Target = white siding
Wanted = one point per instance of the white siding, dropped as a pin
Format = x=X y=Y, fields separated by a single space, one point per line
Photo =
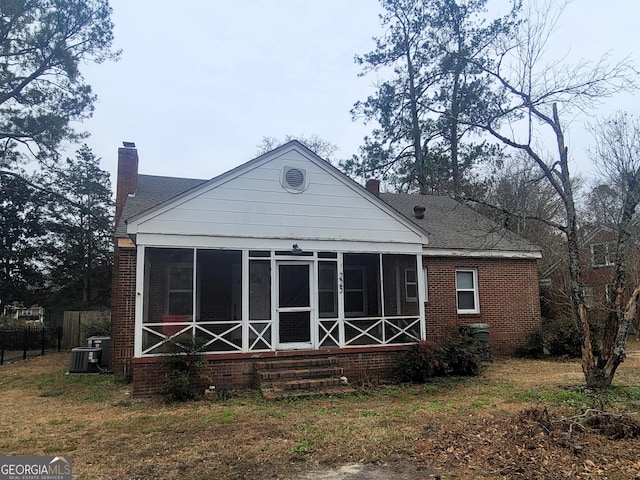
x=254 y=204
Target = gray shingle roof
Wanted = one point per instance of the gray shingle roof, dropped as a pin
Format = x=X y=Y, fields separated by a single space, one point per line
x=447 y=223
x=151 y=191
x=452 y=225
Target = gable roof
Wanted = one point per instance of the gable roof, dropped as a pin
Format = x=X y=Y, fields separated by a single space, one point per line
x=258 y=177
x=450 y=225
x=151 y=191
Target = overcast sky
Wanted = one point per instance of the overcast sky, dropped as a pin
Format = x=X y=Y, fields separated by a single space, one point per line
x=201 y=82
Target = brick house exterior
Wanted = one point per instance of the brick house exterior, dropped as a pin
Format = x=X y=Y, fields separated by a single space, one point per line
x=285 y=257
x=596 y=255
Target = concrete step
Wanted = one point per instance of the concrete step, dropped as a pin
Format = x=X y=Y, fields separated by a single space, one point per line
x=295 y=363
x=316 y=372
x=300 y=377
x=305 y=383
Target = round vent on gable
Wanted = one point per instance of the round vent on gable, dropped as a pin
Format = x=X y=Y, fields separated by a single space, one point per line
x=294 y=179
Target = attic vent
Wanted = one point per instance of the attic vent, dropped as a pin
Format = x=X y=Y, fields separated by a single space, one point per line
x=294 y=179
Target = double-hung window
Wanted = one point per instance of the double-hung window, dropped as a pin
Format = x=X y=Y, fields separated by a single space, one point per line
x=467 y=291
x=355 y=292
x=411 y=285
x=602 y=254
x=180 y=290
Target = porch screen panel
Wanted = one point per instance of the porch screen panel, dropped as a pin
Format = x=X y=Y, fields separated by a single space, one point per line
x=260 y=322
x=219 y=300
x=168 y=299
x=259 y=290
x=400 y=285
x=361 y=285
x=168 y=295
x=328 y=289
x=219 y=285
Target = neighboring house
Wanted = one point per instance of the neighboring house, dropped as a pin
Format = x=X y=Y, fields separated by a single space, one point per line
x=285 y=256
x=597 y=250
x=18 y=311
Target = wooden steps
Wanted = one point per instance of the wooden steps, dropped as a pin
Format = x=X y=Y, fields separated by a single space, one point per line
x=301 y=377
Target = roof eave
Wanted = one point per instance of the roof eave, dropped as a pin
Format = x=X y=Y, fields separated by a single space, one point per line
x=464 y=253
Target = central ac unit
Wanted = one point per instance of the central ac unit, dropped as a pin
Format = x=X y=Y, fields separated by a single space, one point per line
x=85 y=360
x=104 y=343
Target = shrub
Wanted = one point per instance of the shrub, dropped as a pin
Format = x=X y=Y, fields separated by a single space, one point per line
x=184 y=367
x=459 y=356
x=462 y=356
x=419 y=363
x=556 y=337
x=98 y=328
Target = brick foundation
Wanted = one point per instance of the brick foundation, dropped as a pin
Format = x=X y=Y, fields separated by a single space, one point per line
x=232 y=372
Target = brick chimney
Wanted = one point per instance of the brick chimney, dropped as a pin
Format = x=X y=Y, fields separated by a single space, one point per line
x=373 y=186
x=127 y=179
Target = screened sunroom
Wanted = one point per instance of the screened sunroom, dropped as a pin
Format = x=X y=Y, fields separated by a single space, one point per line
x=243 y=301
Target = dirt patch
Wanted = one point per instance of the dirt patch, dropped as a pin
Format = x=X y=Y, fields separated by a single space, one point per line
x=401 y=471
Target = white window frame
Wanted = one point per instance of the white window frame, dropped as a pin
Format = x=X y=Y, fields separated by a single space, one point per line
x=476 y=301
x=608 y=253
x=426 y=284
x=170 y=290
x=362 y=289
x=407 y=283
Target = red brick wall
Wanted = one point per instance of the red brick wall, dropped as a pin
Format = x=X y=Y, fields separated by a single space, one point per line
x=508 y=301
x=123 y=306
x=127 y=179
x=508 y=293
x=367 y=365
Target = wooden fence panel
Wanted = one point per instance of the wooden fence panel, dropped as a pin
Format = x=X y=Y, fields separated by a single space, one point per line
x=78 y=325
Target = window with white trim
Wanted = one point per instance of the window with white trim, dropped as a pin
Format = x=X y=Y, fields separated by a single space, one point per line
x=355 y=292
x=411 y=285
x=602 y=254
x=180 y=289
x=467 y=291
x=426 y=284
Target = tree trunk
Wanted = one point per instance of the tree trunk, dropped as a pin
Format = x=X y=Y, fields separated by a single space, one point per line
x=416 y=132
x=601 y=376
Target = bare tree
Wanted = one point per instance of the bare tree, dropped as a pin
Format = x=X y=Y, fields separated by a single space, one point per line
x=321 y=147
x=617 y=155
x=536 y=97
x=517 y=197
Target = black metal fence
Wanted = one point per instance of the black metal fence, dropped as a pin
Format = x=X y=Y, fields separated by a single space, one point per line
x=23 y=342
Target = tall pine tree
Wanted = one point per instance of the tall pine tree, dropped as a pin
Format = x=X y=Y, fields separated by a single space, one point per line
x=81 y=230
x=419 y=143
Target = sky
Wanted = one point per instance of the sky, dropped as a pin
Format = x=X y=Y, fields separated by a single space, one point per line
x=201 y=82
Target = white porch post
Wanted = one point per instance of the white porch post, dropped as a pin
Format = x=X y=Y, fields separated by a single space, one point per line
x=139 y=300
x=245 y=300
x=421 y=296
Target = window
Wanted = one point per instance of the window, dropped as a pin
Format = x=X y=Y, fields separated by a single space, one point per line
x=426 y=284
x=587 y=295
x=610 y=293
x=180 y=290
x=355 y=293
x=602 y=254
x=467 y=291
x=411 y=285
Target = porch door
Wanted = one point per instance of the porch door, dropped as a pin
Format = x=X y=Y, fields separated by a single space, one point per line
x=294 y=305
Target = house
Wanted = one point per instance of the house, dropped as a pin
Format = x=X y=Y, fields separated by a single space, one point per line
x=597 y=250
x=286 y=257
x=22 y=313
